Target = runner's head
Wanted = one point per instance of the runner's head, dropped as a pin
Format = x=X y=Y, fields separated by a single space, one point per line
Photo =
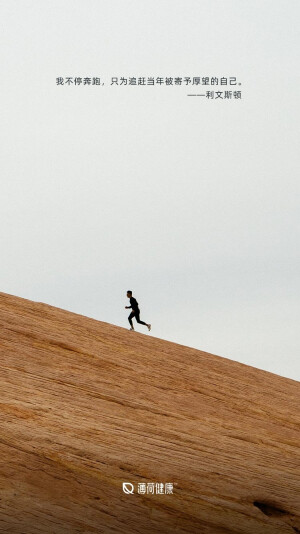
x=129 y=294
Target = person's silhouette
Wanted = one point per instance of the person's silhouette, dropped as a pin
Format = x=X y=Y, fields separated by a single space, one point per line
x=135 y=312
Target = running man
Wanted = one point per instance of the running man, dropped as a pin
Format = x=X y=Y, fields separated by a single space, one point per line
x=135 y=312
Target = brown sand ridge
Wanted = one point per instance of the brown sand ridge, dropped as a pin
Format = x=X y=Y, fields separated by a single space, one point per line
x=86 y=406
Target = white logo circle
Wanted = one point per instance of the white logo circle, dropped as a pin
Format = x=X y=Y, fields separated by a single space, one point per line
x=128 y=487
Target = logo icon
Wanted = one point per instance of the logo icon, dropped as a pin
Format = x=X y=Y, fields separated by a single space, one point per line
x=128 y=487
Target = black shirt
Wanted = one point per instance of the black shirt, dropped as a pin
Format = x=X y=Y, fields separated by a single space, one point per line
x=134 y=304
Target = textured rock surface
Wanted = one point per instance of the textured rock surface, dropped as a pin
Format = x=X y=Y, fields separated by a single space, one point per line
x=85 y=406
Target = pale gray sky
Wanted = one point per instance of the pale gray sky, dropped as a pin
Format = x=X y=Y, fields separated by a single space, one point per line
x=191 y=203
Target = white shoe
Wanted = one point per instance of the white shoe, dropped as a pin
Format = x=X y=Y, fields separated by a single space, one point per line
x=149 y=327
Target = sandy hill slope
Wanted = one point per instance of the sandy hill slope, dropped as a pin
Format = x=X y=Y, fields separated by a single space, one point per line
x=86 y=406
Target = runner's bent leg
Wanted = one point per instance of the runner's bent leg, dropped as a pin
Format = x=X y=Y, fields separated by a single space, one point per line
x=130 y=319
